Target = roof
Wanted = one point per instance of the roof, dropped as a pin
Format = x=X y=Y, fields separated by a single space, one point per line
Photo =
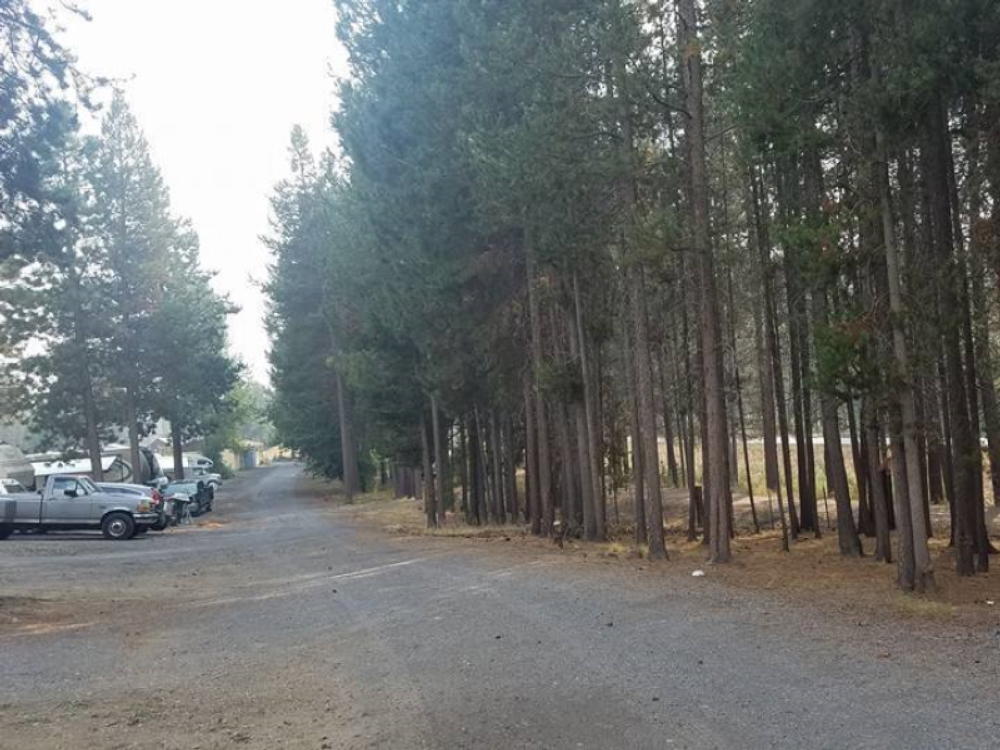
x=79 y=466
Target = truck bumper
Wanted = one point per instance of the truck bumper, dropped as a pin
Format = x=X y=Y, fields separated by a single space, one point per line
x=146 y=519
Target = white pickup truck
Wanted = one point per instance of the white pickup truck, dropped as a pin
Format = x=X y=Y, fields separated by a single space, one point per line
x=70 y=502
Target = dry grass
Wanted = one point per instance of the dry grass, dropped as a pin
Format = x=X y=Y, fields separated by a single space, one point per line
x=921 y=607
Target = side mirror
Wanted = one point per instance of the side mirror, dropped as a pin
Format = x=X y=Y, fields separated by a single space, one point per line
x=71 y=493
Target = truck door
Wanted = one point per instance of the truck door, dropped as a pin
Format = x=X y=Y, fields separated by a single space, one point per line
x=68 y=503
x=28 y=511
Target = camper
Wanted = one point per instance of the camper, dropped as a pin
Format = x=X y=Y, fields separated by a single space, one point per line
x=194 y=463
x=113 y=469
x=13 y=465
x=149 y=470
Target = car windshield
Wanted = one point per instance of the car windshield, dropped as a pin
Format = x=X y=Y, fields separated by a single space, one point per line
x=182 y=487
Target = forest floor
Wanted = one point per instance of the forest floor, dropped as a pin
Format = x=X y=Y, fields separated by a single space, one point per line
x=812 y=573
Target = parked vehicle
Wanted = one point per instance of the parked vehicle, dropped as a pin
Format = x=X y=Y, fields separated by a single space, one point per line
x=149 y=470
x=201 y=495
x=70 y=503
x=113 y=469
x=14 y=465
x=155 y=497
x=194 y=464
x=11 y=487
x=208 y=477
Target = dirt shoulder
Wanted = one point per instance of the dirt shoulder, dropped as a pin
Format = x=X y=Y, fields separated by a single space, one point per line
x=812 y=575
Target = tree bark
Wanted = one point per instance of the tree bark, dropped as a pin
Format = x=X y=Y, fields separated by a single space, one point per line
x=877 y=497
x=718 y=502
x=531 y=459
x=772 y=382
x=965 y=445
x=635 y=462
x=348 y=453
x=135 y=454
x=177 y=443
x=739 y=409
x=510 y=470
x=910 y=507
x=87 y=384
x=589 y=458
x=640 y=336
x=541 y=522
x=430 y=504
x=668 y=430
x=439 y=483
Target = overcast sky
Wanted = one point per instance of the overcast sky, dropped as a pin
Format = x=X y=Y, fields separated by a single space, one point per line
x=217 y=86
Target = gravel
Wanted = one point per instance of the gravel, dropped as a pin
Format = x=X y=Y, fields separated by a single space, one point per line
x=290 y=626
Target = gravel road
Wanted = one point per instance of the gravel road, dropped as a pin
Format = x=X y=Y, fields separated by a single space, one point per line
x=284 y=623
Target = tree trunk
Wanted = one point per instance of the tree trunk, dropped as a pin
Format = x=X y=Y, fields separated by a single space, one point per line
x=795 y=305
x=836 y=472
x=640 y=336
x=771 y=380
x=135 y=454
x=739 y=410
x=877 y=497
x=571 y=508
x=965 y=445
x=430 y=504
x=510 y=470
x=177 y=442
x=859 y=457
x=348 y=452
x=589 y=458
x=531 y=460
x=476 y=504
x=464 y=471
x=439 y=461
x=541 y=522
x=87 y=383
x=767 y=407
x=498 y=483
x=668 y=430
x=635 y=462
x=719 y=500
x=910 y=506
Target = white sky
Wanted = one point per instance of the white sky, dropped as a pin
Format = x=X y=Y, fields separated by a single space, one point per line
x=217 y=85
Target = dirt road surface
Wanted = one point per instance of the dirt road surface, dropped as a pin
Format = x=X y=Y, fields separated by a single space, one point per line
x=286 y=623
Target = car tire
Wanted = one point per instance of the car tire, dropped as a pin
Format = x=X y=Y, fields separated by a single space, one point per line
x=118 y=527
x=6 y=530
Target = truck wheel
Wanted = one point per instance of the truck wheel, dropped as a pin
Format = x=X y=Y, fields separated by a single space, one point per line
x=118 y=527
x=6 y=530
